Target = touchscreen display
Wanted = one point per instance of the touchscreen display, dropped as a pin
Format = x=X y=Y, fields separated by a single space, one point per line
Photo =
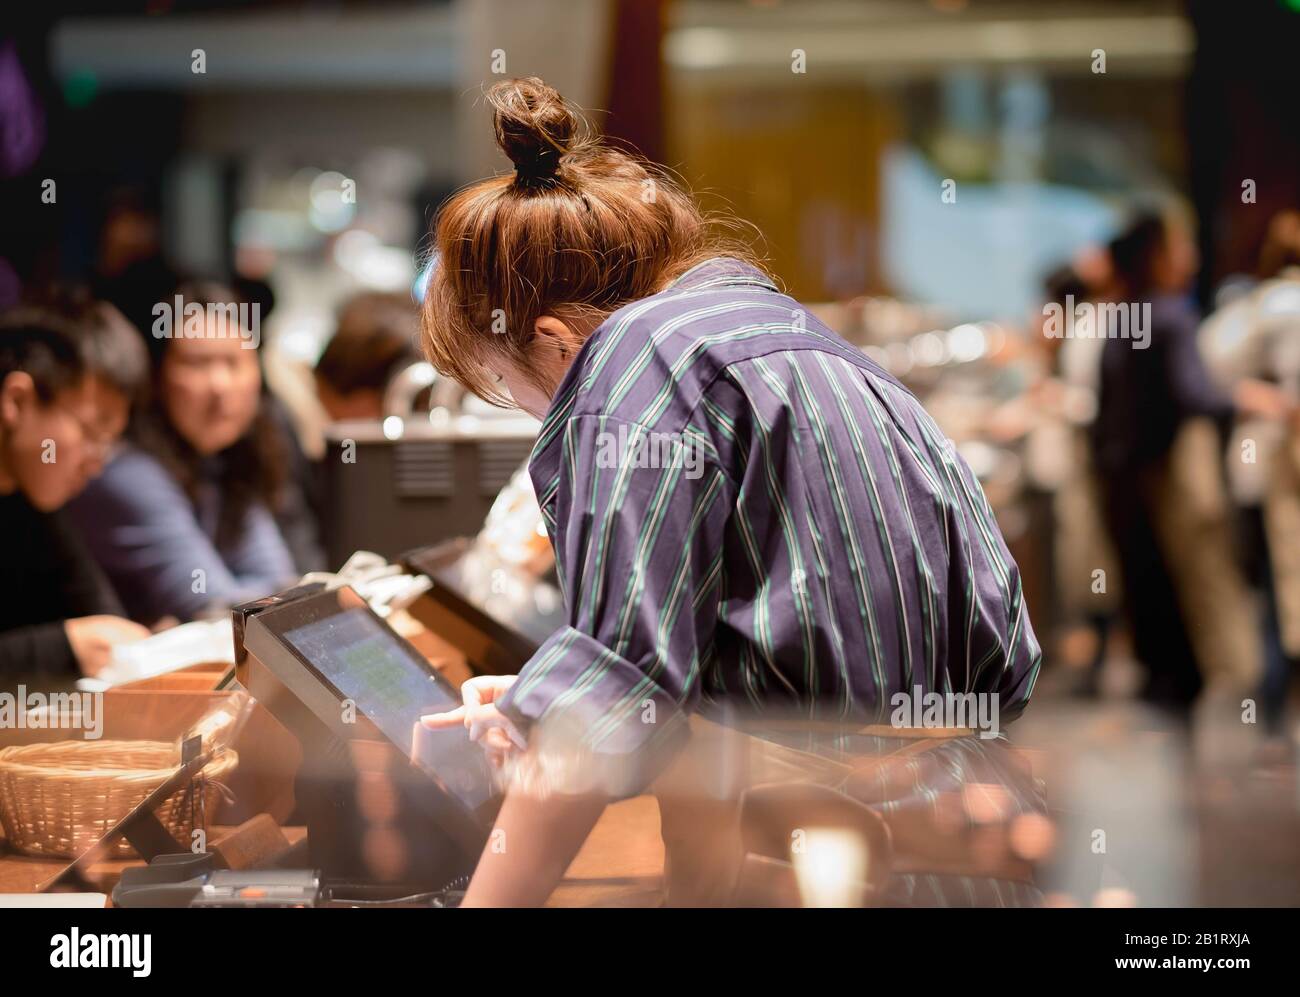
x=368 y=664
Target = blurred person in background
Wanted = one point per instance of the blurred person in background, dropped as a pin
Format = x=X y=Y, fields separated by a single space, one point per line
x=374 y=339
x=181 y=519
x=130 y=270
x=1257 y=337
x=1157 y=447
x=68 y=372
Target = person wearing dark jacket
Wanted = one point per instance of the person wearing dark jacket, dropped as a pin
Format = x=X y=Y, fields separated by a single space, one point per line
x=67 y=376
x=1159 y=418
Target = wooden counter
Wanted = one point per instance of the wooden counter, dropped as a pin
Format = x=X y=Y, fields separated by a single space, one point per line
x=620 y=865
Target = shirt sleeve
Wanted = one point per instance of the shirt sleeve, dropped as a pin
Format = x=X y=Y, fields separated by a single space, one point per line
x=84 y=590
x=142 y=528
x=261 y=561
x=42 y=649
x=638 y=522
x=1190 y=382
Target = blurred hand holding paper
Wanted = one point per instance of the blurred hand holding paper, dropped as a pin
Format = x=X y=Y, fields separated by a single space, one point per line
x=200 y=642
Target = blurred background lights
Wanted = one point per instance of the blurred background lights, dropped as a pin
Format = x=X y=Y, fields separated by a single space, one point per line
x=831 y=868
x=332 y=207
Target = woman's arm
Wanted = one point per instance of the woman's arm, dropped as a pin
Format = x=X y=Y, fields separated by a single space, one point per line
x=142 y=529
x=531 y=846
x=536 y=833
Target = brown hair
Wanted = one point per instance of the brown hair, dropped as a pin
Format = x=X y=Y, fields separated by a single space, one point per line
x=1281 y=247
x=579 y=230
x=375 y=338
x=61 y=333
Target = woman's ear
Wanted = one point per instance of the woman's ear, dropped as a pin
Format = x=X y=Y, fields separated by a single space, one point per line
x=557 y=338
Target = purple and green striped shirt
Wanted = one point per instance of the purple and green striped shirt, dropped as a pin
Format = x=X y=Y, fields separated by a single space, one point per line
x=747 y=510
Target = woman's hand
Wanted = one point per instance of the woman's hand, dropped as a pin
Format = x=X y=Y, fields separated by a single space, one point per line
x=487 y=725
x=92 y=639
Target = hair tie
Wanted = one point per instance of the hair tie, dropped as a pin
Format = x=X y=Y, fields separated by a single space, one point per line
x=541 y=170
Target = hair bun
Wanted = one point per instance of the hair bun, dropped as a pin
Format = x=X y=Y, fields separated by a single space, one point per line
x=534 y=126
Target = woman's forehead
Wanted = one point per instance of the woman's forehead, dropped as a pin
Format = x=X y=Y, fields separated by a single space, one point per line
x=220 y=338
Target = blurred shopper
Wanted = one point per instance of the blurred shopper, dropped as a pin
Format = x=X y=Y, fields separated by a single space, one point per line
x=374 y=340
x=1157 y=447
x=747 y=512
x=1257 y=337
x=67 y=377
x=130 y=269
x=181 y=518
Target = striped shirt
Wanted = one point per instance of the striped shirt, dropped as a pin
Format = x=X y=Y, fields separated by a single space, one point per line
x=746 y=510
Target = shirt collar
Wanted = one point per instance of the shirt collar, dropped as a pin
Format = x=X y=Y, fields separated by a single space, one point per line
x=722 y=271
x=544 y=463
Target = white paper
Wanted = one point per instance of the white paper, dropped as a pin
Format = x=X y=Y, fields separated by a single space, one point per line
x=189 y=644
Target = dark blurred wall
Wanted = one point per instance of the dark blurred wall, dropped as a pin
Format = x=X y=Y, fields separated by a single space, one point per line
x=1243 y=123
x=636 y=77
x=97 y=147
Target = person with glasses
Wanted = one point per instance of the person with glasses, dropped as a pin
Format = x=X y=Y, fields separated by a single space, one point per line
x=68 y=373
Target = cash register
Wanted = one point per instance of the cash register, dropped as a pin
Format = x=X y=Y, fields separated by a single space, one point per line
x=386 y=802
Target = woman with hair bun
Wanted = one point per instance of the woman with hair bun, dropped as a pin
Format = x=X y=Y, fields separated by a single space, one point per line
x=747 y=512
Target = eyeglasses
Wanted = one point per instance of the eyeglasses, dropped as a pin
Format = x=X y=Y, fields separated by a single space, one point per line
x=92 y=436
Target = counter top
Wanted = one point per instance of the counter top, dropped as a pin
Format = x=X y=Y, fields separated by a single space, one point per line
x=620 y=864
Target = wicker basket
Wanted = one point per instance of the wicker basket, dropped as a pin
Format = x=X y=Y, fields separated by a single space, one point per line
x=58 y=799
